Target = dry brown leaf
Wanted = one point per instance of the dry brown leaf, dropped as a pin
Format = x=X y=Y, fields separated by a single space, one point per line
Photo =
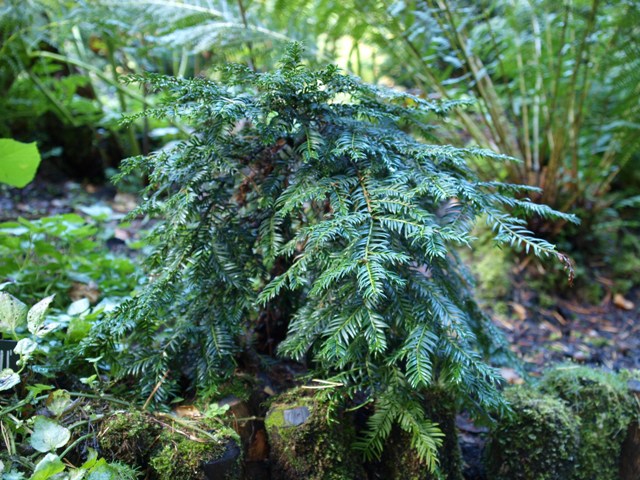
x=188 y=411
x=511 y=376
x=520 y=311
x=89 y=291
x=559 y=317
x=124 y=202
x=259 y=447
x=622 y=303
x=122 y=234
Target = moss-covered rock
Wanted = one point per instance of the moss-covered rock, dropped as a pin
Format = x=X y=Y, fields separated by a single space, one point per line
x=606 y=407
x=167 y=450
x=306 y=443
x=400 y=461
x=537 y=441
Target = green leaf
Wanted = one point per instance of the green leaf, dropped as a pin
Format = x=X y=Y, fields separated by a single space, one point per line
x=13 y=475
x=25 y=347
x=58 y=402
x=77 y=474
x=13 y=313
x=92 y=458
x=18 y=162
x=48 y=435
x=79 y=328
x=79 y=306
x=47 y=467
x=35 y=317
x=37 y=389
x=8 y=379
x=103 y=471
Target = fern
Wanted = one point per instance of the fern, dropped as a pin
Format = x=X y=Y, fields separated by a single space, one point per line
x=314 y=194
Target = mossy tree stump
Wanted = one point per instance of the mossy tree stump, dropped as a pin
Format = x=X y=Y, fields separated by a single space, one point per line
x=305 y=443
x=578 y=424
x=606 y=409
x=166 y=450
x=538 y=441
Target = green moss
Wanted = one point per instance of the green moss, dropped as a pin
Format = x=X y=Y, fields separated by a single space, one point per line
x=129 y=437
x=238 y=386
x=183 y=458
x=166 y=453
x=491 y=266
x=537 y=441
x=318 y=449
x=606 y=408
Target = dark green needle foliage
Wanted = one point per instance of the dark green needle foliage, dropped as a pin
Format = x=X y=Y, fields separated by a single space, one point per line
x=313 y=194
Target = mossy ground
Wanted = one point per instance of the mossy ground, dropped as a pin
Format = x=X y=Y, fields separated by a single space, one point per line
x=129 y=437
x=182 y=458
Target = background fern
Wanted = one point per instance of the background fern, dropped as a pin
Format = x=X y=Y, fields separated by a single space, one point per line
x=311 y=193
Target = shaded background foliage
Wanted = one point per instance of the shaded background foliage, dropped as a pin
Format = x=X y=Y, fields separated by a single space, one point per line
x=554 y=84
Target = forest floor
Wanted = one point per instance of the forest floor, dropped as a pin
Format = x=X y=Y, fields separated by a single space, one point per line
x=605 y=335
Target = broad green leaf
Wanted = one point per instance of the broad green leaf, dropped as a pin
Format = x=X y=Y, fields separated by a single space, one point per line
x=103 y=471
x=37 y=389
x=13 y=313
x=78 y=329
x=88 y=380
x=79 y=306
x=58 y=401
x=77 y=474
x=47 y=467
x=8 y=379
x=99 y=212
x=18 y=162
x=35 y=317
x=48 y=435
x=108 y=304
x=92 y=458
x=25 y=347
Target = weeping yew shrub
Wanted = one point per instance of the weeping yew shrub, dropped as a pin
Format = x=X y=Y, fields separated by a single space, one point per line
x=311 y=193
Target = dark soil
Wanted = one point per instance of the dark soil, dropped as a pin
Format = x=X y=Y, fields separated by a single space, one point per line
x=605 y=335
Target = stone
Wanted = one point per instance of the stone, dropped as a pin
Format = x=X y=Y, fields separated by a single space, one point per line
x=296 y=416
